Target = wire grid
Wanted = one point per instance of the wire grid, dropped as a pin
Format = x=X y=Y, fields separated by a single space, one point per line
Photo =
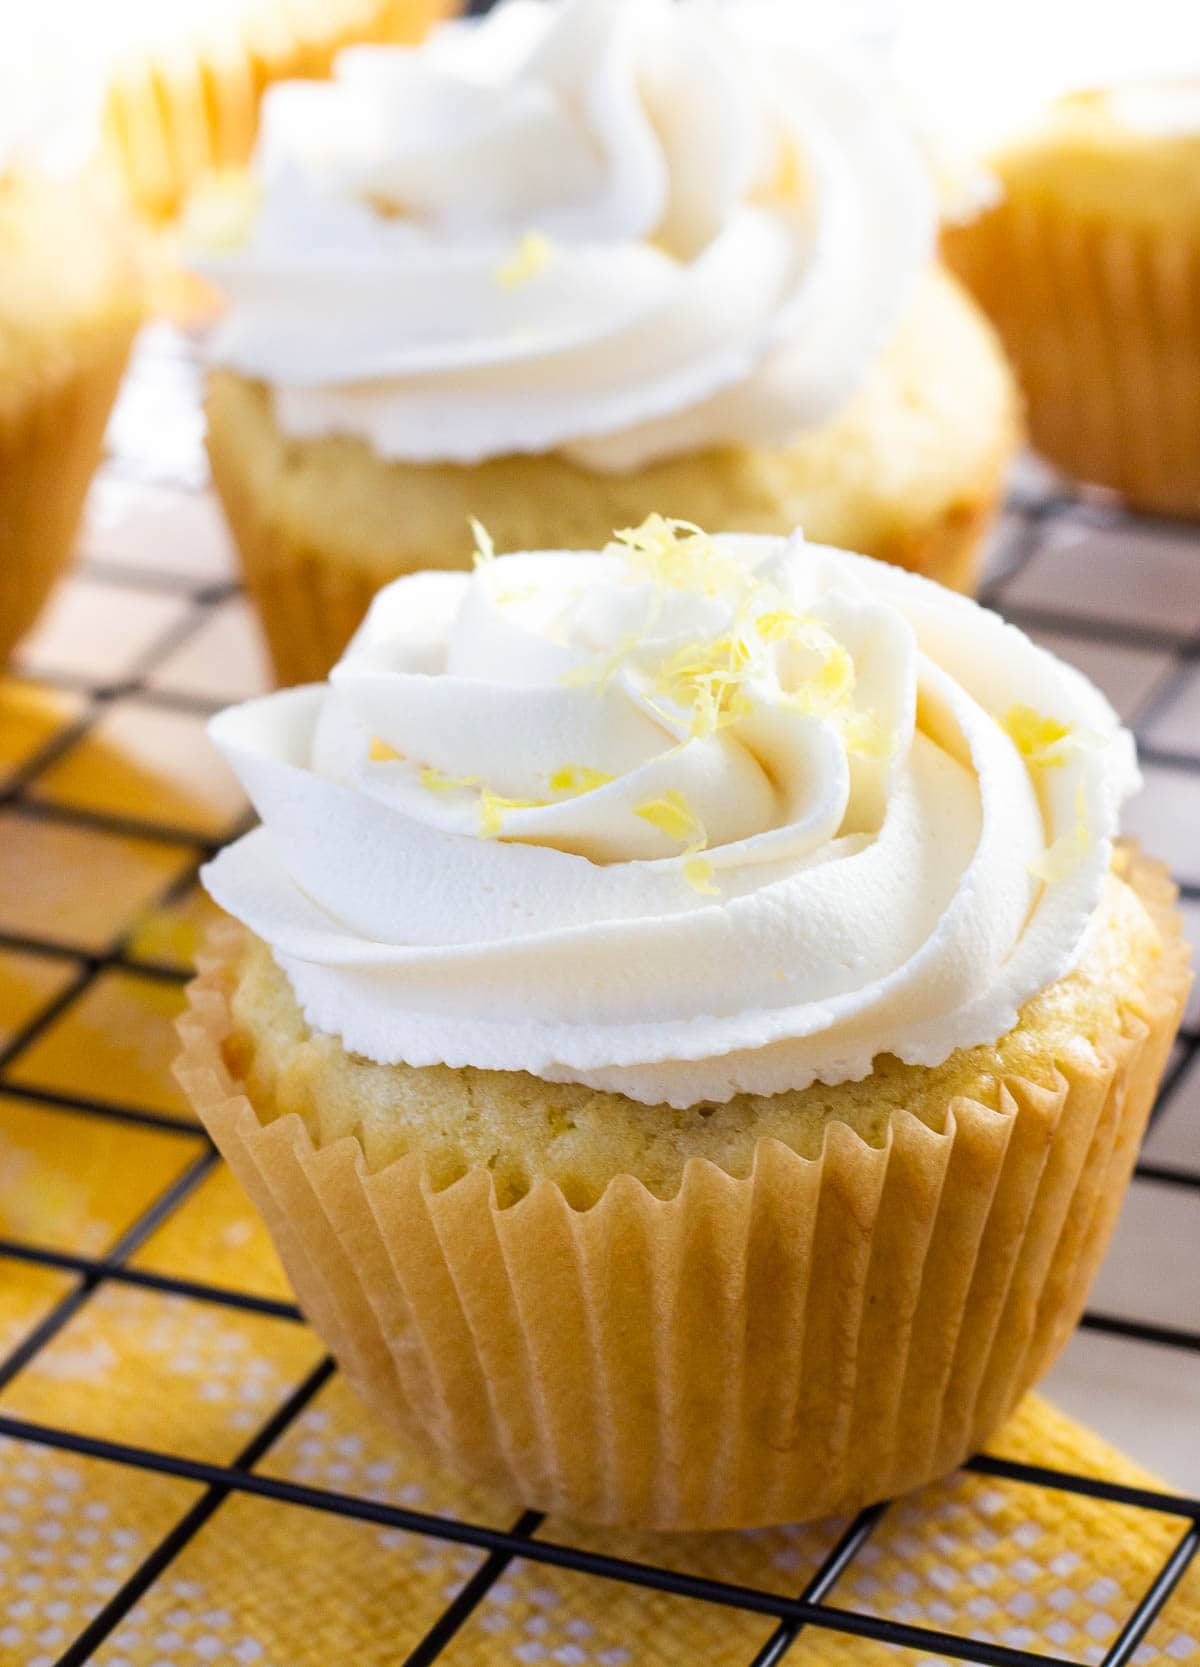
x=154 y=445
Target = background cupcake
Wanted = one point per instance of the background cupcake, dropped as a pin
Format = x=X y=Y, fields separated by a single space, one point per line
x=70 y=300
x=691 y=1032
x=1089 y=265
x=1069 y=136
x=183 y=95
x=651 y=261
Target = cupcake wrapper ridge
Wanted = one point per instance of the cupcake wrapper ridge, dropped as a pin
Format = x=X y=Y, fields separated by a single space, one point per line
x=1102 y=322
x=50 y=440
x=169 y=120
x=814 y=1336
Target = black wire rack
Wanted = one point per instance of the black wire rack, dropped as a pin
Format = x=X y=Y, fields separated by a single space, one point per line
x=154 y=442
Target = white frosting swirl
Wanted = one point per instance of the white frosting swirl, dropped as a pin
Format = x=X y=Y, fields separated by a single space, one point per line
x=617 y=228
x=681 y=820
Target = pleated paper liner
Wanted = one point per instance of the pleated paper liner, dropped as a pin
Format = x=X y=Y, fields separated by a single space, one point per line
x=821 y=1333
x=1102 y=322
x=50 y=437
x=170 y=118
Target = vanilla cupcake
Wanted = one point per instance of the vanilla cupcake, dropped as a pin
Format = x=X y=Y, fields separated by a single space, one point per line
x=689 y=1028
x=574 y=264
x=1088 y=262
x=71 y=294
x=184 y=87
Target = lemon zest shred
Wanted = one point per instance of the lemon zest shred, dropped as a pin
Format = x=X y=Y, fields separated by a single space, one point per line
x=528 y=260
x=673 y=815
x=865 y=737
x=485 y=550
x=437 y=782
x=777 y=623
x=710 y=678
x=1062 y=857
x=1039 y=739
x=698 y=872
x=828 y=688
x=577 y=778
x=379 y=752
x=677 y=555
x=493 y=807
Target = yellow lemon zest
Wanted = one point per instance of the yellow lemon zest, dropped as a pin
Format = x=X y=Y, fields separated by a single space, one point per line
x=492 y=810
x=485 y=550
x=1066 y=853
x=677 y=555
x=528 y=260
x=492 y=806
x=437 y=782
x=829 y=692
x=1061 y=858
x=777 y=623
x=831 y=686
x=673 y=816
x=1040 y=740
x=865 y=737
x=577 y=778
x=710 y=678
x=380 y=753
x=698 y=872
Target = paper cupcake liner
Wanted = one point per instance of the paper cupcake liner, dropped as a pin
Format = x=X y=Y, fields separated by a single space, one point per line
x=821 y=1333
x=1103 y=324
x=50 y=438
x=169 y=120
x=309 y=602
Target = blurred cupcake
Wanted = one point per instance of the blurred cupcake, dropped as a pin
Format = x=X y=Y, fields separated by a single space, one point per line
x=70 y=301
x=689 y=1030
x=1089 y=265
x=573 y=264
x=183 y=94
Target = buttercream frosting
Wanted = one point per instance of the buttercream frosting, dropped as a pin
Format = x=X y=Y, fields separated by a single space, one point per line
x=682 y=819
x=620 y=229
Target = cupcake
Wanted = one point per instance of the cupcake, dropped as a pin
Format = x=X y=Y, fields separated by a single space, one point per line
x=575 y=264
x=184 y=89
x=1088 y=263
x=70 y=301
x=685 y=1019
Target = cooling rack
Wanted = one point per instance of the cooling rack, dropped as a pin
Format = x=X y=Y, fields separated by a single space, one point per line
x=182 y=1475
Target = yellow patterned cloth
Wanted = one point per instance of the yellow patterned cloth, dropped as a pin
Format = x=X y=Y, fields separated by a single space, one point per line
x=275 y=1584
